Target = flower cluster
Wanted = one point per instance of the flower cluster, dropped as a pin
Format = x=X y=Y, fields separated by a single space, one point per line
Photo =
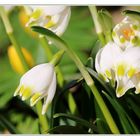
x=40 y=81
x=119 y=60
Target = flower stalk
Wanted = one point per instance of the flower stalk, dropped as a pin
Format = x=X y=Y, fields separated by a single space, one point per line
x=9 y=31
x=62 y=45
x=94 y=90
x=49 y=54
x=98 y=26
x=60 y=78
x=43 y=121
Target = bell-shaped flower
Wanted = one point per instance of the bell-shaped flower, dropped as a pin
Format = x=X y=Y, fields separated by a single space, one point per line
x=120 y=66
x=127 y=71
x=106 y=59
x=38 y=83
x=54 y=18
x=127 y=33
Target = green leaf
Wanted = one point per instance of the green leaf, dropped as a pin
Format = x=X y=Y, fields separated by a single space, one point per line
x=78 y=120
x=50 y=35
x=107 y=23
x=65 y=129
x=133 y=14
x=97 y=46
x=134 y=106
x=102 y=126
x=127 y=123
x=72 y=104
x=8 y=125
x=28 y=126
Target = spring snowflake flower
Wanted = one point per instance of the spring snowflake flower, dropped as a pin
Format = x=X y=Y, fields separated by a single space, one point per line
x=120 y=66
x=127 y=33
x=38 y=83
x=54 y=18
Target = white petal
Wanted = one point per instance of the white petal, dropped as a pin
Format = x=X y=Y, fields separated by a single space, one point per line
x=51 y=91
x=110 y=55
x=38 y=78
x=51 y=10
x=136 y=81
x=132 y=57
x=9 y=7
x=17 y=90
x=123 y=85
x=97 y=61
x=63 y=22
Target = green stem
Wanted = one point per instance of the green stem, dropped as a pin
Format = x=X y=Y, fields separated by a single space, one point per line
x=98 y=26
x=72 y=104
x=43 y=121
x=19 y=51
x=108 y=36
x=49 y=55
x=60 y=77
x=62 y=45
x=94 y=90
x=9 y=31
x=46 y=47
x=104 y=110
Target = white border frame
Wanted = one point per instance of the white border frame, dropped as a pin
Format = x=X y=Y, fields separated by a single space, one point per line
x=73 y=2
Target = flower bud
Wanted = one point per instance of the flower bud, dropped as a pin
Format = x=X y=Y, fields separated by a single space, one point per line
x=15 y=60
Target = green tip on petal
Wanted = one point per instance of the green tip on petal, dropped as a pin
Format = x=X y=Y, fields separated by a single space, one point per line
x=131 y=72
x=36 y=14
x=121 y=70
x=21 y=90
x=34 y=99
x=26 y=94
x=119 y=92
x=135 y=27
x=50 y=24
x=134 y=40
x=17 y=91
x=122 y=39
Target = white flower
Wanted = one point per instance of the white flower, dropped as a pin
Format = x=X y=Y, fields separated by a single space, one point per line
x=127 y=33
x=38 y=83
x=106 y=59
x=9 y=7
x=120 y=66
x=54 y=18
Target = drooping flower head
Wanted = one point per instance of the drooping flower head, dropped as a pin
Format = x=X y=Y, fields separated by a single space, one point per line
x=121 y=66
x=38 y=83
x=106 y=59
x=54 y=18
x=127 y=33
